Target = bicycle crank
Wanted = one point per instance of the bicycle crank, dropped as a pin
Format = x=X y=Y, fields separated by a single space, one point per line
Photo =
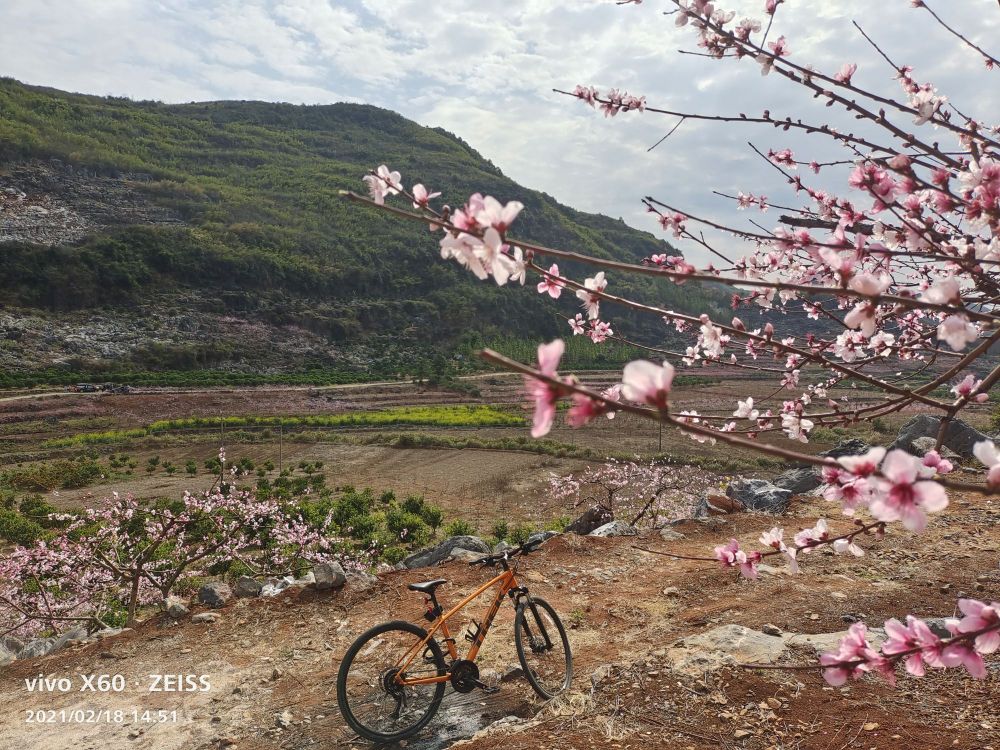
x=465 y=676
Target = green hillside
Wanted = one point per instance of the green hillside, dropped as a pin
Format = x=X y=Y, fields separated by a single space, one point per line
x=262 y=234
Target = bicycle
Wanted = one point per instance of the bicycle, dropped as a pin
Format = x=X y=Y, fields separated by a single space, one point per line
x=393 y=677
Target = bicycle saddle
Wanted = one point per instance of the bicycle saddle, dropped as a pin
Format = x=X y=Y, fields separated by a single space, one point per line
x=427 y=587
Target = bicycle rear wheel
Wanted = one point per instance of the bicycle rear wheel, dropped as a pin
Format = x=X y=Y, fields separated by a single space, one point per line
x=543 y=648
x=373 y=704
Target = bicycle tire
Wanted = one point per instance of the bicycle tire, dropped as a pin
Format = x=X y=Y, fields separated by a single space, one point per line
x=343 y=699
x=522 y=628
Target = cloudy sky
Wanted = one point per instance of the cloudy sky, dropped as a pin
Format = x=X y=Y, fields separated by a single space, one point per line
x=485 y=70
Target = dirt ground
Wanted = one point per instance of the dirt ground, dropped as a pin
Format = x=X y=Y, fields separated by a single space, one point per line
x=267 y=656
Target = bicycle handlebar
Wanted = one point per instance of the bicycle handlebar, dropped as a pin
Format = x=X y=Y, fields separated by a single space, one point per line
x=523 y=549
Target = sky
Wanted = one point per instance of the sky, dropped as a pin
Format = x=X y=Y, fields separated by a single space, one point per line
x=485 y=71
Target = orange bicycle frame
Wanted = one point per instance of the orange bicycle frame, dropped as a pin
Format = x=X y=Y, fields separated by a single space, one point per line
x=505 y=582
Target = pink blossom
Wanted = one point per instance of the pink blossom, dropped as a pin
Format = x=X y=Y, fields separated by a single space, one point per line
x=968 y=387
x=864 y=465
x=932 y=459
x=846 y=72
x=731 y=556
x=957 y=331
x=382 y=183
x=902 y=638
x=981 y=616
x=551 y=283
x=421 y=196
x=854 y=657
x=545 y=395
x=496 y=215
x=645 y=382
x=986 y=451
x=902 y=496
x=590 y=294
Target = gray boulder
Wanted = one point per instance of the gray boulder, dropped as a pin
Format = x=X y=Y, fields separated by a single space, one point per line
x=175 y=607
x=442 y=551
x=6 y=657
x=464 y=555
x=11 y=643
x=215 y=594
x=329 y=575
x=849 y=447
x=759 y=495
x=959 y=437
x=615 y=528
x=361 y=581
x=799 y=481
x=70 y=636
x=542 y=536
x=589 y=520
x=34 y=649
x=247 y=587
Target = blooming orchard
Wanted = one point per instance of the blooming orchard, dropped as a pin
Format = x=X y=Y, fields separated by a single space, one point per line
x=127 y=553
x=900 y=267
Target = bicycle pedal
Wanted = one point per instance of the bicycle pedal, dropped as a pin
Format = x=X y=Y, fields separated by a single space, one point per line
x=486 y=688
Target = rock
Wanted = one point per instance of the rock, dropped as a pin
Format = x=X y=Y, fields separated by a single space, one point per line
x=441 y=551
x=723 y=646
x=734 y=644
x=215 y=594
x=34 y=649
x=273 y=586
x=718 y=505
x=615 y=528
x=849 y=447
x=175 y=607
x=670 y=535
x=464 y=555
x=959 y=437
x=6 y=656
x=799 y=481
x=924 y=444
x=69 y=637
x=821 y=643
x=247 y=587
x=759 y=495
x=938 y=627
x=671 y=591
x=541 y=536
x=207 y=617
x=361 y=581
x=589 y=520
x=329 y=576
x=109 y=632
x=284 y=719
x=11 y=643
x=769 y=629
x=501 y=546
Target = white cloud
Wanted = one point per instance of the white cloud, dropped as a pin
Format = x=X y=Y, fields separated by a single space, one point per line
x=485 y=71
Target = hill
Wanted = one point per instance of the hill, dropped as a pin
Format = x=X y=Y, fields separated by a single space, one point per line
x=146 y=236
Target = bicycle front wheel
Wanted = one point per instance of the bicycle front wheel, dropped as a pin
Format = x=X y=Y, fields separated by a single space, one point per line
x=371 y=699
x=543 y=648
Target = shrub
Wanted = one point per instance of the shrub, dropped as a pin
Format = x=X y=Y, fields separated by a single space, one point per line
x=520 y=533
x=17 y=529
x=459 y=528
x=501 y=530
x=433 y=516
x=393 y=555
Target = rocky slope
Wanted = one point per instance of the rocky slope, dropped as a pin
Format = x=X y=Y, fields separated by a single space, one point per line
x=655 y=643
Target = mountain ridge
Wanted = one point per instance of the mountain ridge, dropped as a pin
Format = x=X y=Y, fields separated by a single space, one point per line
x=255 y=226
